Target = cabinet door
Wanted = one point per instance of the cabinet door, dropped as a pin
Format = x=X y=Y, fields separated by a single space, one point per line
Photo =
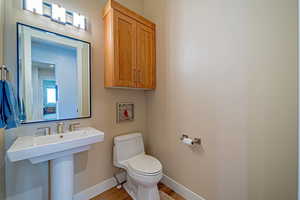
x=125 y=50
x=145 y=57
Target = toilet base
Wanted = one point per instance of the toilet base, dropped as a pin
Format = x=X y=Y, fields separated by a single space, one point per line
x=147 y=193
x=138 y=192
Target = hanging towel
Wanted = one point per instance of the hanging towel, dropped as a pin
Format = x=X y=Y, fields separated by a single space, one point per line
x=9 y=111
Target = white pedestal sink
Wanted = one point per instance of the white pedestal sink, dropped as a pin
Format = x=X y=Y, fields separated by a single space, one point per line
x=60 y=150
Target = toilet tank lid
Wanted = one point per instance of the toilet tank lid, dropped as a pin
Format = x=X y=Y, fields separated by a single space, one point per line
x=123 y=138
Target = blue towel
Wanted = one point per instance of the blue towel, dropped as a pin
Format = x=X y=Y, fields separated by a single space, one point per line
x=9 y=110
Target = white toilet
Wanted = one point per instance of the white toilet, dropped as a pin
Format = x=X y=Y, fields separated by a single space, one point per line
x=143 y=171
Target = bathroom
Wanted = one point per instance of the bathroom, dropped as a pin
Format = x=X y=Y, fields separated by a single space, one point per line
x=226 y=74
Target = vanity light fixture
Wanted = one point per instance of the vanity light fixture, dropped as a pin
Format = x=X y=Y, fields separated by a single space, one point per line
x=35 y=6
x=79 y=20
x=58 y=13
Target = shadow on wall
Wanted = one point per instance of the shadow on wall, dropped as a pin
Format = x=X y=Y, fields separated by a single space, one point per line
x=81 y=160
x=221 y=77
x=37 y=174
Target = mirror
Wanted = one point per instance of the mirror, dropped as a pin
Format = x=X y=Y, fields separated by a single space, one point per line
x=53 y=76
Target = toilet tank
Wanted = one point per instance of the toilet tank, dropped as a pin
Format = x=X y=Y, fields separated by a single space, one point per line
x=127 y=146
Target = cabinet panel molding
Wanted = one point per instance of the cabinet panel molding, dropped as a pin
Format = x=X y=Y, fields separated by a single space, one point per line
x=125 y=50
x=145 y=57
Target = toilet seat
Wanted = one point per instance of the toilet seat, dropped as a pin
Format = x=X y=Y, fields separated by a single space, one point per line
x=145 y=165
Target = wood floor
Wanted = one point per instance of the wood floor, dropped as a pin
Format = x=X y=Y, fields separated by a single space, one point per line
x=169 y=192
x=121 y=194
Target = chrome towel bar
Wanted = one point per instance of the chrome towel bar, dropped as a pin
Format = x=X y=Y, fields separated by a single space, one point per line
x=4 y=73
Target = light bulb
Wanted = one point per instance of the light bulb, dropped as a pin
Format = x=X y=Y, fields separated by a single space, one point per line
x=79 y=21
x=58 y=13
x=35 y=6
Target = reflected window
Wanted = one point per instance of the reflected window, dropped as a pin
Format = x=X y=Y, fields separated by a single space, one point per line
x=50 y=99
x=51 y=95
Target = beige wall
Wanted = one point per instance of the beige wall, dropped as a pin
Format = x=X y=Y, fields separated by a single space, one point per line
x=25 y=181
x=2 y=172
x=227 y=72
x=135 y=5
x=1 y=30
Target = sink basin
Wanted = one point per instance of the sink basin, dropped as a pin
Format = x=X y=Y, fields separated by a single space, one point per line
x=60 y=150
x=44 y=148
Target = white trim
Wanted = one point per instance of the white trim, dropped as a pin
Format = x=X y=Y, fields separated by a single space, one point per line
x=79 y=81
x=298 y=101
x=180 y=189
x=95 y=190
x=101 y=187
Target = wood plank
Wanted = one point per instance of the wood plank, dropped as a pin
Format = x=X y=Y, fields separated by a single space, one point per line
x=169 y=192
x=121 y=194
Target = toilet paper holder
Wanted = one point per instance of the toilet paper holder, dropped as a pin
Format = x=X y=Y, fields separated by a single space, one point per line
x=194 y=141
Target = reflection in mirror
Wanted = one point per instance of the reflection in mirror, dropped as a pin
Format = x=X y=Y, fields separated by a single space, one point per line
x=53 y=76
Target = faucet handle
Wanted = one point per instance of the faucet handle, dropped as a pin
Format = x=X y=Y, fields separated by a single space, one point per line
x=60 y=128
x=47 y=130
x=73 y=126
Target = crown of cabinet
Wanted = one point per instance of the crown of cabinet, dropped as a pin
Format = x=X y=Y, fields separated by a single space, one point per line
x=130 y=52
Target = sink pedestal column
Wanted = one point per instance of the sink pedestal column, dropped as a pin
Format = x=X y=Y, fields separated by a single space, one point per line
x=62 y=178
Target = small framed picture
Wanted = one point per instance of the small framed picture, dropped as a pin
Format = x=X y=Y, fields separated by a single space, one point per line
x=125 y=112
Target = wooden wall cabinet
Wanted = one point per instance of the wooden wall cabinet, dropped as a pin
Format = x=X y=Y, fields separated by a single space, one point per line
x=130 y=53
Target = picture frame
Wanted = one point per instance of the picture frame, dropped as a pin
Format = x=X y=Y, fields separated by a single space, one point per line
x=125 y=112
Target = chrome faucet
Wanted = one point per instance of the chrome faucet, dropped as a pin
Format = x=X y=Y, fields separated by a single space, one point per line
x=73 y=126
x=60 y=128
x=46 y=129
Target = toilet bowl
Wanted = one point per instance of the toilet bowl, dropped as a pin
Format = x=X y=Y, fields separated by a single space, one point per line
x=143 y=171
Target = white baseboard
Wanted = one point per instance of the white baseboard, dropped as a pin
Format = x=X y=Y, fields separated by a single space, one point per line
x=180 y=189
x=95 y=190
